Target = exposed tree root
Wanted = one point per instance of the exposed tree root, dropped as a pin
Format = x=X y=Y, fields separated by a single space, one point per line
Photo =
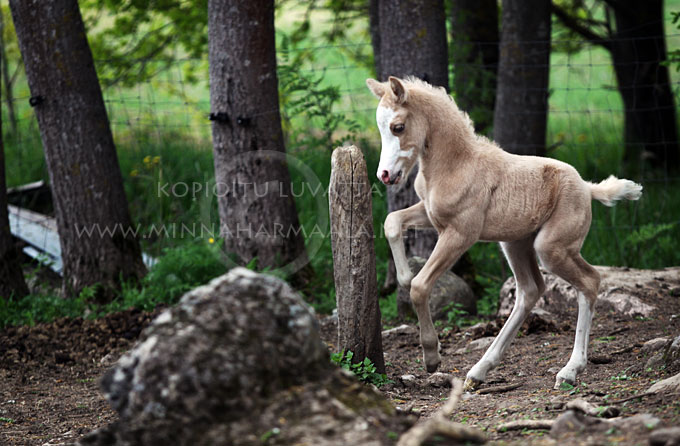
x=526 y=424
x=440 y=424
x=500 y=389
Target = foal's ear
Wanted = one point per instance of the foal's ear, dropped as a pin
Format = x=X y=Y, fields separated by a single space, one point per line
x=398 y=89
x=377 y=88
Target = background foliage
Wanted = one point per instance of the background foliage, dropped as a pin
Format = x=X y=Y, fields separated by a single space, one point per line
x=152 y=61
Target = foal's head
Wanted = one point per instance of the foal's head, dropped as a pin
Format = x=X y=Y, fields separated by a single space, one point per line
x=402 y=132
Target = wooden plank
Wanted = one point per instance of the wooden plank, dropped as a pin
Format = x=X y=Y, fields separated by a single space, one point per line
x=40 y=232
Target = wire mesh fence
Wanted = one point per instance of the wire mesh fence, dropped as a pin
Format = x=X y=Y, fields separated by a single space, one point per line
x=162 y=130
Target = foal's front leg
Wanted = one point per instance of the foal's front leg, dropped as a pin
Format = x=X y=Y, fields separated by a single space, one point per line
x=395 y=224
x=450 y=246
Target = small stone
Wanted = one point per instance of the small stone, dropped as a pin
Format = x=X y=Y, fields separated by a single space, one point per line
x=477 y=330
x=109 y=359
x=669 y=436
x=480 y=344
x=556 y=403
x=401 y=330
x=408 y=380
x=439 y=379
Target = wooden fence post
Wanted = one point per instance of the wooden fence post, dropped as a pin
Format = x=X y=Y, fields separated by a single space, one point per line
x=359 y=324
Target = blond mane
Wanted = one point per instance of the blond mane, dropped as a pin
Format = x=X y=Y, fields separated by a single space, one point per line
x=440 y=94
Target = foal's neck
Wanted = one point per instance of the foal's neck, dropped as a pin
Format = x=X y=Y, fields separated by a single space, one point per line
x=449 y=142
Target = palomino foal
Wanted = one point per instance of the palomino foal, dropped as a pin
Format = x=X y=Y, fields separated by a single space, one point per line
x=472 y=190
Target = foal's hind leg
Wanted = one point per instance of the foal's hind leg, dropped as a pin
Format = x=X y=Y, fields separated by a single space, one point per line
x=530 y=286
x=567 y=263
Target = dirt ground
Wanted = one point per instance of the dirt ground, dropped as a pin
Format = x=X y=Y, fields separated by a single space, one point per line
x=49 y=374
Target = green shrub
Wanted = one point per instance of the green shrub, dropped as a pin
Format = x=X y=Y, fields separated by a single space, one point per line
x=364 y=370
x=177 y=271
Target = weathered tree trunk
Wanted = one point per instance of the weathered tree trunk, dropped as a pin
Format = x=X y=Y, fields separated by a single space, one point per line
x=638 y=51
x=351 y=213
x=521 y=112
x=257 y=211
x=474 y=32
x=374 y=30
x=412 y=42
x=11 y=277
x=87 y=186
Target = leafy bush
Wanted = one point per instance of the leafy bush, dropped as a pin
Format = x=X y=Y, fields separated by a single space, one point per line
x=364 y=370
x=455 y=315
x=179 y=270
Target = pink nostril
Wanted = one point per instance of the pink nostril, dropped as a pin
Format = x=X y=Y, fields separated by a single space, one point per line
x=385 y=176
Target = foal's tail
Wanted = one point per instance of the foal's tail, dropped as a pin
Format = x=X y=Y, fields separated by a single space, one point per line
x=611 y=190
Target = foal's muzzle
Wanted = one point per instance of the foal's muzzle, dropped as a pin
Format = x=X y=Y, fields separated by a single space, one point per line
x=386 y=178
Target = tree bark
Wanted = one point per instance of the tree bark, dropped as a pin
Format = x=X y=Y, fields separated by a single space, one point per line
x=474 y=33
x=257 y=211
x=374 y=31
x=87 y=186
x=521 y=113
x=9 y=96
x=11 y=276
x=412 y=42
x=638 y=51
x=351 y=213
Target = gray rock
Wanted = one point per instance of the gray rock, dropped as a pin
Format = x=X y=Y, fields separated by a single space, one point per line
x=671 y=356
x=225 y=365
x=669 y=436
x=448 y=290
x=573 y=422
x=668 y=385
x=621 y=291
x=408 y=380
x=439 y=379
x=654 y=345
x=655 y=362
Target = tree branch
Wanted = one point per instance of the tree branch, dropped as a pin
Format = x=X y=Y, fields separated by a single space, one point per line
x=574 y=24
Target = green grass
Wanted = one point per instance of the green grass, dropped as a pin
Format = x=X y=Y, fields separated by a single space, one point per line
x=178 y=270
x=163 y=136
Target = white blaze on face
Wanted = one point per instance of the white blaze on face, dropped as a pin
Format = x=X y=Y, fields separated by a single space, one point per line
x=391 y=149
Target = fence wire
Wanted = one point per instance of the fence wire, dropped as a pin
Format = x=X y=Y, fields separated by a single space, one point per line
x=585 y=122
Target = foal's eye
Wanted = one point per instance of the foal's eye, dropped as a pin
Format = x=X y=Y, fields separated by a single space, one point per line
x=398 y=128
